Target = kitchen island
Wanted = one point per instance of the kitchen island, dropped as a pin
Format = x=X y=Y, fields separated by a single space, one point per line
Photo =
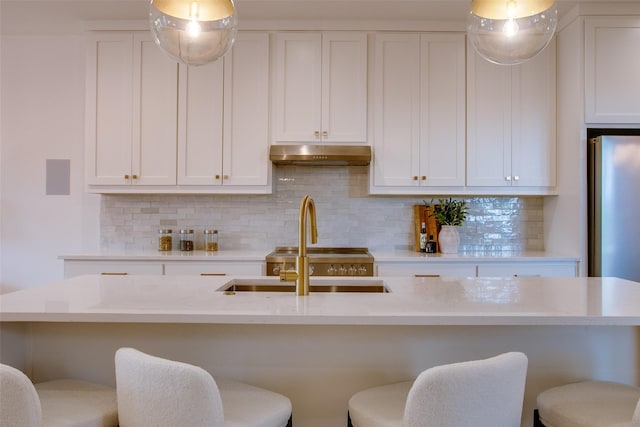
x=320 y=349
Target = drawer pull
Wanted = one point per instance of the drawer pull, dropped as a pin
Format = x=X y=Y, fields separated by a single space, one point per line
x=113 y=274
x=213 y=274
x=427 y=275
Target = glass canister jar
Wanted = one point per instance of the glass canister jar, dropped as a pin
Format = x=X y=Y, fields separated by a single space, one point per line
x=165 y=239
x=211 y=240
x=186 y=240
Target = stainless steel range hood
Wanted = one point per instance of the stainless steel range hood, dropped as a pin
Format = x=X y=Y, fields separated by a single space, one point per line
x=320 y=155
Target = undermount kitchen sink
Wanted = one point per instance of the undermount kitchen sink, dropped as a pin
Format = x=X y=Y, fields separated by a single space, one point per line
x=332 y=286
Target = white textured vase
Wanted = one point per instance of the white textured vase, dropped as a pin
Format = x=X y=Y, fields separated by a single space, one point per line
x=449 y=239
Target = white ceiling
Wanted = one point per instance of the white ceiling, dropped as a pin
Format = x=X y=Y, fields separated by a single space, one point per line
x=20 y=16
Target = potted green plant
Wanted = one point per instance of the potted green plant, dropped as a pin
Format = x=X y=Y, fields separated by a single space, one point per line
x=451 y=214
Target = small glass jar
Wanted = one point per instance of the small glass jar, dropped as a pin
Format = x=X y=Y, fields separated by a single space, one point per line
x=186 y=240
x=165 y=239
x=211 y=240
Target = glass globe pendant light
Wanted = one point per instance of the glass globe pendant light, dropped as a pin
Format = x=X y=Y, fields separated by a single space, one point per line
x=510 y=32
x=194 y=32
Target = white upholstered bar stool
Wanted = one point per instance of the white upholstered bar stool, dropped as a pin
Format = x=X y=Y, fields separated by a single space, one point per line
x=158 y=392
x=589 y=404
x=479 y=393
x=58 y=403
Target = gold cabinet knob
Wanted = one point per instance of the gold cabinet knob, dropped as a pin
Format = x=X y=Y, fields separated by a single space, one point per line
x=126 y=176
x=325 y=133
x=415 y=177
x=316 y=133
x=424 y=178
x=217 y=176
x=134 y=176
x=225 y=176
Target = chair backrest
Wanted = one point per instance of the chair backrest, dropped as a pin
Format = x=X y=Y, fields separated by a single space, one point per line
x=163 y=393
x=636 y=414
x=19 y=402
x=479 y=393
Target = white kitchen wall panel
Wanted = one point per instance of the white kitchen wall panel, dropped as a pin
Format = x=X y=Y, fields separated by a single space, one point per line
x=320 y=87
x=418 y=108
x=131 y=111
x=511 y=125
x=612 y=67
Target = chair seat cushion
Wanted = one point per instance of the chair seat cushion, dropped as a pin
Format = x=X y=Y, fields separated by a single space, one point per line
x=77 y=403
x=379 y=406
x=587 y=404
x=247 y=406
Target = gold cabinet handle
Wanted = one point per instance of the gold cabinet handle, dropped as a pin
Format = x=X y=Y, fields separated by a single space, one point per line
x=213 y=274
x=427 y=275
x=110 y=273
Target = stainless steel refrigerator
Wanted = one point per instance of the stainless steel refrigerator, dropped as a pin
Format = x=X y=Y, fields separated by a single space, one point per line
x=614 y=206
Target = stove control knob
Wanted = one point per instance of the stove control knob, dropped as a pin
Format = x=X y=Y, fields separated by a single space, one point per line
x=311 y=269
x=362 y=270
x=342 y=271
x=352 y=270
x=290 y=267
x=331 y=271
x=276 y=270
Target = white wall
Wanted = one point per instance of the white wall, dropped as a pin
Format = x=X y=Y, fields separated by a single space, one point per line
x=42 y=118
x=564 y=215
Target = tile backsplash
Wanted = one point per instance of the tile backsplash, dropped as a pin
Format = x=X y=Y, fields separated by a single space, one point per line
x=346 y=216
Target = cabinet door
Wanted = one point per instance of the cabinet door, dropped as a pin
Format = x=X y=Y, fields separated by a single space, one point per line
x=488 y=122
x=298 y=91
x=131 y=111
x=74 y=268
x=108 y=117
x=426 y=269
x=217 y=268
x=155 y=114
x=200 y=124
x=396 y=104
x=442 y=110
x=612 y=67
x=344 y=87
x=530 y=269
x=246 y=112
x=533 y=132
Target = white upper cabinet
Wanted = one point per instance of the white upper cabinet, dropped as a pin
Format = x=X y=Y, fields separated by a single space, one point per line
x=131 y=111
x=246 y=113
x=320 y=87
x=224 y=121
x=200 y=124
x=155 y=126
x=418 y=107
x=511 y=125
x=612 y=67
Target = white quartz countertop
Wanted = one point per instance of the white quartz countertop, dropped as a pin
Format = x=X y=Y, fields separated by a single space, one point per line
x=154 y=255
x=411 y=301
x=260 y=254
x=498 y=256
